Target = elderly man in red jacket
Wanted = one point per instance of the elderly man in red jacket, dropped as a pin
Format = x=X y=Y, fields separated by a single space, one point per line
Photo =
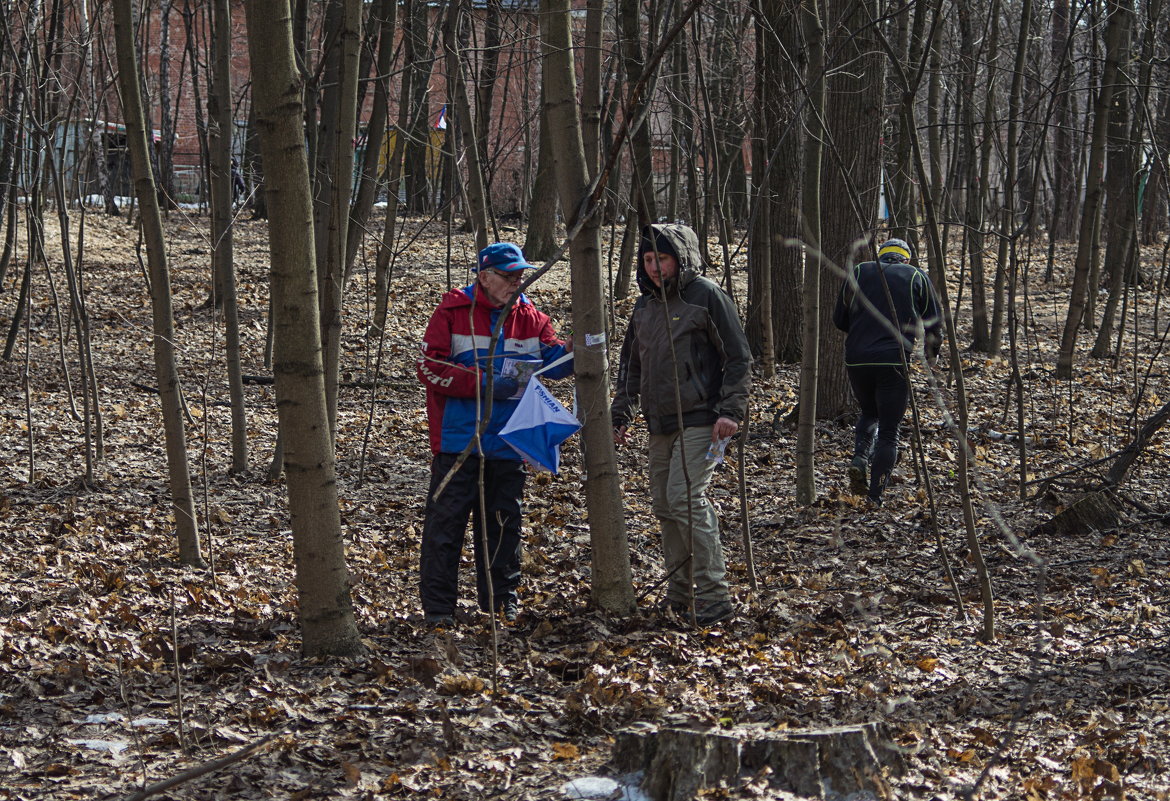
x=455 y=366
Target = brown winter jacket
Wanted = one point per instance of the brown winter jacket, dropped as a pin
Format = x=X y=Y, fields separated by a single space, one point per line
x=714 y=360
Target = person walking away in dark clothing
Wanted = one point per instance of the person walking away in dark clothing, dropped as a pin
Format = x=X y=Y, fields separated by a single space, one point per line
x=877 y=352
x=454 y=366
x=238 y=187
x=686 y=359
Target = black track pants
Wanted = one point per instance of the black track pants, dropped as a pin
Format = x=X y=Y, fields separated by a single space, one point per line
x=883 y=393
x=446 y=523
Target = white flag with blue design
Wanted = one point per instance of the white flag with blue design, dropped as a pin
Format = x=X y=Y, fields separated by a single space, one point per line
x=539 y=425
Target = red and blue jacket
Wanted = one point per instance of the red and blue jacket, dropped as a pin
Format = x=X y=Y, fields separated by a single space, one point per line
x=454 y=362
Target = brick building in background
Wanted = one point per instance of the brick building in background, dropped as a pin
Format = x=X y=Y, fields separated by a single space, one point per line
x=93 y=129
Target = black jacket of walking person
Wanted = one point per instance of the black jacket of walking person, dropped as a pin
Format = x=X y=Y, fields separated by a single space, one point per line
x=868 y=339
x=876 y=350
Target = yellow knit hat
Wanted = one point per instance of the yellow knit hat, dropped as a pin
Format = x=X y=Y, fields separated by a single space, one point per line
x=895 y=247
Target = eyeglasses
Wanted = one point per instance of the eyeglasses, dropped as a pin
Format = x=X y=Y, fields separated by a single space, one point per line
x=512 y=277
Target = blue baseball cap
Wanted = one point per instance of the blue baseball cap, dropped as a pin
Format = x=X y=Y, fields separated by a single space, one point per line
x=503 y=256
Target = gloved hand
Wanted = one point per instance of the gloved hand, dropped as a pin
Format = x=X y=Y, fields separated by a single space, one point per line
x=504 y=387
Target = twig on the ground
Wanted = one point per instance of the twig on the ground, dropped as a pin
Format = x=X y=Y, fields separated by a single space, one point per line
x=178 y=672
x=202 y=770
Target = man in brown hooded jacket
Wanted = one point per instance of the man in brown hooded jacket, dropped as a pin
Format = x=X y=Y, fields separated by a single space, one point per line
x=686 y=358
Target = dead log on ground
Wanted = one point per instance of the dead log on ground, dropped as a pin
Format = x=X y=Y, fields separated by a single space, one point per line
x=1097 y=510
x=1133 y=450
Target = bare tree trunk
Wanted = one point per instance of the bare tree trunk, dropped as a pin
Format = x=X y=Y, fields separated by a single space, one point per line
x=1010 y=215
x=1154 y=206
x=759 y=297
x=419 y=57
x=1115 y=34
x=1012 y=180
x=902 y=195
x=200 y=122
x=591 y=78
x=934 y=140
x=782 y=132
x=627 y=257
x=254 y=167
x=394 y=166
x=92 y=425
x=613 y=588
x=679 y=129
x=642 y=170
x=166 y=124
x=542 y=212
x=42 y=85
x=476 y=192
x=814 y=36
x=325 y=605
x=1064 y=163
x=851 y=174
x=385 y=17
x=485 y=83
x=160 y=289
x=1121 y=190
x=724 y=91
x=13 y=118
x=333 y=180
x=219 y=113
x=973 y=185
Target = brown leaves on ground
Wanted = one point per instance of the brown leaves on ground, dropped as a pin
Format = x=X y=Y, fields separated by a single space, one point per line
x=120 y=669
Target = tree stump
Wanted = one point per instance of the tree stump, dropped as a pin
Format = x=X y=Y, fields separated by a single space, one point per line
x=840 y=762
x=1093 y=512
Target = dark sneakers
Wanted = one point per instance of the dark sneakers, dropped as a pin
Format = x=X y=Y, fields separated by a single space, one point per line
x=859 y=476
x=509 y=609
x=439 y=620
x=713 y=612
x=707 y=613
x=669 y=606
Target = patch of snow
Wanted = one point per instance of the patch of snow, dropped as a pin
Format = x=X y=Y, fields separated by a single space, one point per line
x=105 y=717
x=97 y=200
x=115 y=747
x=598 y=788
x=140 y=722
x=118 y=717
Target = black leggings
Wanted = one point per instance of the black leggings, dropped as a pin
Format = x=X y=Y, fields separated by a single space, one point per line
x=882 y=392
